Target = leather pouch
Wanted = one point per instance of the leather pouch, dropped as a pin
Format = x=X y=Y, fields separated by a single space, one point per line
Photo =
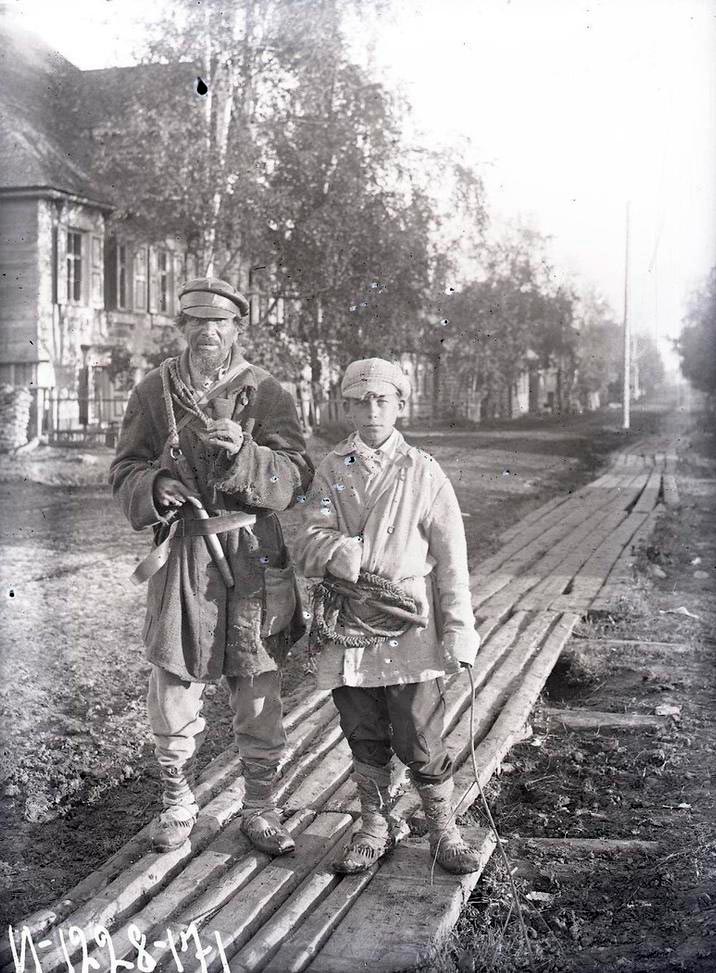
x=279 y=600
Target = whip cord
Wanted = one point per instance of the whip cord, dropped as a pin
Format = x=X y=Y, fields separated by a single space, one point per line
x=491 y=822
x=493 y=826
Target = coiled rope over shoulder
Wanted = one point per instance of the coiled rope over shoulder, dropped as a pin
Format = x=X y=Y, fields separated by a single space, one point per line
x=175 y=391
x=332 y=607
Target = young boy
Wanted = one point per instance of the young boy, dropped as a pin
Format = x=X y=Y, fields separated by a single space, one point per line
x=379 y=507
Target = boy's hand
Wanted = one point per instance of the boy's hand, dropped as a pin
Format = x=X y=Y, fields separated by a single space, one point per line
x=345 y=563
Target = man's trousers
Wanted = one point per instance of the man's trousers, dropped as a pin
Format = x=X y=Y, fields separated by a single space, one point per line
x=174 y=709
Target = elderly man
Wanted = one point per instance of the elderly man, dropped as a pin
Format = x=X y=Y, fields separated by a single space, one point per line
x=210 y=447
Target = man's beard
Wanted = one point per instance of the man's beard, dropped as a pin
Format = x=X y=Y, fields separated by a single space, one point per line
x=207 y=361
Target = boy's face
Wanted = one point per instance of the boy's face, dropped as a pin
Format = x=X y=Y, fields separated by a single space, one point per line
x=374 y=416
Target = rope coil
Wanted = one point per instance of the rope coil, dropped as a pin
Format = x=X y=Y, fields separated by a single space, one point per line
x=175 y=390
x=332 y=608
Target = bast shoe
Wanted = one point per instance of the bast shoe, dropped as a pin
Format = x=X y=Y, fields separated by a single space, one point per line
x=172 y=828
x=447 y=846
x=362 y=853
x=455 y=856
x=373 y=839
x=266 y=833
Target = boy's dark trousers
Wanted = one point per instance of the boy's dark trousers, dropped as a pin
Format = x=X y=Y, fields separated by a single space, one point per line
x=406 y=720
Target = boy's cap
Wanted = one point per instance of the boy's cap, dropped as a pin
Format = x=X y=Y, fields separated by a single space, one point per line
x=374 y=375
x=209 y=297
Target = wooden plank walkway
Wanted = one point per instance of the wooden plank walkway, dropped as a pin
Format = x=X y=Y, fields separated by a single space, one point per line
x=216 y=904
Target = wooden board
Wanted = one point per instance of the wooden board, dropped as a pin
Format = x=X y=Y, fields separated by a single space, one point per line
x=324 y=780
x=207 y=869
x=560 y=576
x=490 y=700
x=531 y=543
x=587 y=719
x=509 y=727
x=554 y=554
x=594 y=572
x=671 y=492
x=647 y=501
x=213 y=778
x=609 y=644
x=200 y=911
x=261 y=947
x=620 y=580
x=145 y=877
x=306 y=942
x=245 y=913
x=404 y=913
x=531 y=518
x=590 y=846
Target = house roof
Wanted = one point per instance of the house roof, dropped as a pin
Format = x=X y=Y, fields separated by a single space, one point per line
x=39 y=144
x=50 y=110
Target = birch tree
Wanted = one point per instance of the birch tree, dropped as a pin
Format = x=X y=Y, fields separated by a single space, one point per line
x=254 y=138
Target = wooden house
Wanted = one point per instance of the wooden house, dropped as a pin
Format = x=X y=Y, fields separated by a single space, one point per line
x=70 y=289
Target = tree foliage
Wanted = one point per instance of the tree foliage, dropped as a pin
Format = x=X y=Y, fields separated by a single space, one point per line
x=513 y=317
x=649 y=363
x=289 y=171
x=697 y=343
x=599 y=348
x=252 y=137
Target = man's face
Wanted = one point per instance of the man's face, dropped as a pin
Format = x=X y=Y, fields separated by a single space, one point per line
x=210 y=339
x=375 y=415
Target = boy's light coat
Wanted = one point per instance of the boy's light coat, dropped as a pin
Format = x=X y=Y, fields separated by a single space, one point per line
x=413 y=535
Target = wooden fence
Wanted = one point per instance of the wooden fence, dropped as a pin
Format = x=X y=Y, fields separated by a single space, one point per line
x=66 y=419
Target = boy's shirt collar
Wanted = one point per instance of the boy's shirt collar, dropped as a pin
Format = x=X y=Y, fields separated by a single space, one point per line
x=394 y=444
x=386 y=449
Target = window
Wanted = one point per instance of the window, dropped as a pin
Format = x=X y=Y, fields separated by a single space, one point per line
x=140 y=280
x=74 y=266
x=122 y=276
x=97 y=271
x=163 y=282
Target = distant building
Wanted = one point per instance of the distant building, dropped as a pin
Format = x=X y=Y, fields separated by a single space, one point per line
x=70 y=289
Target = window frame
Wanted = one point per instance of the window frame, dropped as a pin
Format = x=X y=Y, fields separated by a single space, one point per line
x=74 y=276
x=96 y=270
x=139 y=279
x=164 y=281
x=123 y=277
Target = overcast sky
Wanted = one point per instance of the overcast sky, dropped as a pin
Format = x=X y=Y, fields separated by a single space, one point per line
x=569 y=108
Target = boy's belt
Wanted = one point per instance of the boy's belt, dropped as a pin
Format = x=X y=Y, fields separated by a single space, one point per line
x=189 y=528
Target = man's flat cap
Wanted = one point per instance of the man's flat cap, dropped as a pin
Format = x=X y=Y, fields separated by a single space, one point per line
x=374 y=375
x=209 y=297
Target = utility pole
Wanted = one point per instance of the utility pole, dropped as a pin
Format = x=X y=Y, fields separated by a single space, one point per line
x=626 y=400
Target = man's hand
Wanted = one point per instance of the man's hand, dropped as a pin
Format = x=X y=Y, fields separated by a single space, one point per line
x=169 y=492
x=225 y=434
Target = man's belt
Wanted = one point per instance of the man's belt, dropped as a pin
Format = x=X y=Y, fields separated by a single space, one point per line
x=189 y=528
